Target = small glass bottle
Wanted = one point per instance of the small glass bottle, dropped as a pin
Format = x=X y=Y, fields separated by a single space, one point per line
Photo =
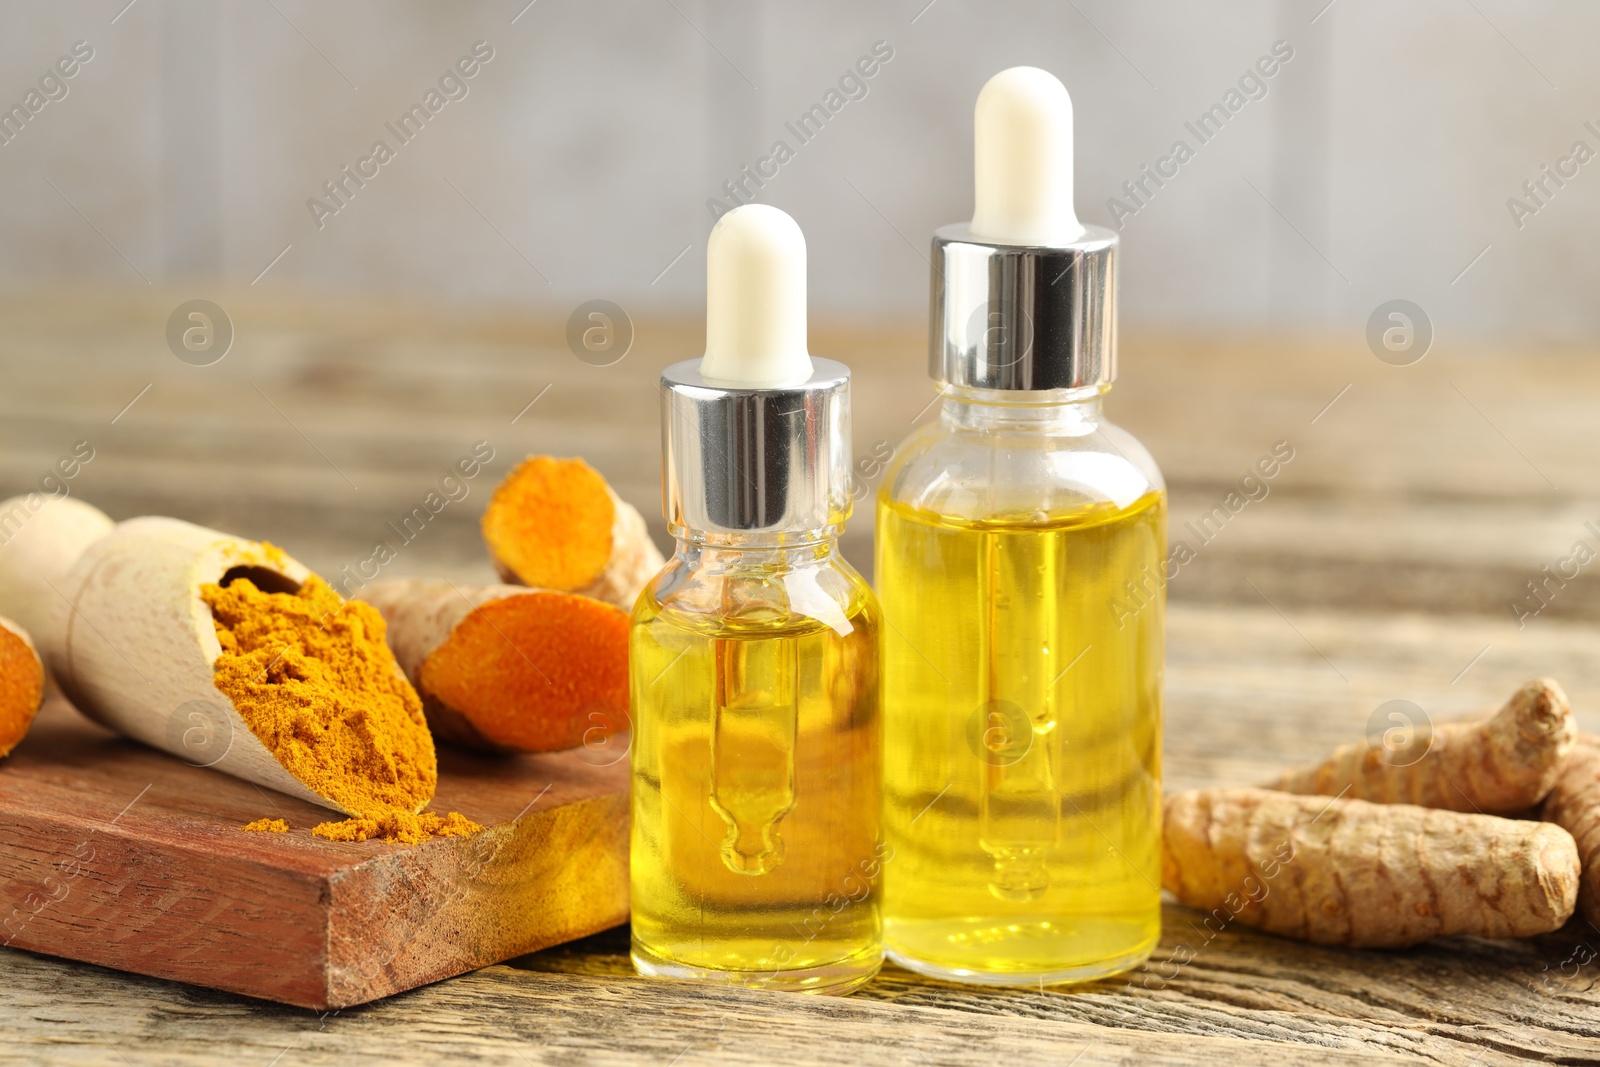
x=753 y=655
x=1021 y=545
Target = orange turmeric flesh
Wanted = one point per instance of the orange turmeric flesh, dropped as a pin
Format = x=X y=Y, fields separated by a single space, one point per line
x=538 y=672
x=314 y=680
x=21 y=687
x=550 y=524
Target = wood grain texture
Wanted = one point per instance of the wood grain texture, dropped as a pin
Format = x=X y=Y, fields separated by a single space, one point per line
x=1450 y=1002
x=1379 y=566
x=1420 y=488
x=1245 y=694
x=503 y=1015
x=118 y=855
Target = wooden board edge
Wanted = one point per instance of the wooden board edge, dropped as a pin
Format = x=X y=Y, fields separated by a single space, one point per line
x=97 y=894
x=549 y=877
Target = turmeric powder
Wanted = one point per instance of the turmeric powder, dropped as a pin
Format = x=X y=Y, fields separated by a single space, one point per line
x=400 y=826
x=21 y=685
x=267 y=826
x=555 y=524
x=313 y=679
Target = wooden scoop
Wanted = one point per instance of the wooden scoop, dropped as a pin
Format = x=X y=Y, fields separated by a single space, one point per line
x=116 y=612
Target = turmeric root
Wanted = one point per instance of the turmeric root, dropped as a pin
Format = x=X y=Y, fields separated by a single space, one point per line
x=1574 y=805
x=505 y=667
x=1501 y=766
x=555 y=524
x=1347 y=872
x=21 y=685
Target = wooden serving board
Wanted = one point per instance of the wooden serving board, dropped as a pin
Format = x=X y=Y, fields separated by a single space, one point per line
x=116 y=854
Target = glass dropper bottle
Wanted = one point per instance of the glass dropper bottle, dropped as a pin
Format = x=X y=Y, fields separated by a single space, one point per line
x=753 y=655
x=1021 y=543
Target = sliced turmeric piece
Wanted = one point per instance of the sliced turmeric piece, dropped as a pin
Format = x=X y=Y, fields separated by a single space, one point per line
x=21 y=685
x=1503 y=765
x=505 y=667
x=1348 y=872
x=555 y=524
x=1574 y=805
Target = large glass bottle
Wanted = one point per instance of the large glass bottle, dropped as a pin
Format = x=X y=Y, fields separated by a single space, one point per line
x=756 y=854
x=1021 y=543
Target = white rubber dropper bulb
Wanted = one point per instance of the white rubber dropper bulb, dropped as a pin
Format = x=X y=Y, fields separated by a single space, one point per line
x=756 y=300
x=1023 y=178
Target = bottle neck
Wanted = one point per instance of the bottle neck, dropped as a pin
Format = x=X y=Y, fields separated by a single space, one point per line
x=788 y=549
x=1064 y=412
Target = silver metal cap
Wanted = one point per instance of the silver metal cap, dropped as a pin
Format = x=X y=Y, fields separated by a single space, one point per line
x=755 y=460
x=1023 y=316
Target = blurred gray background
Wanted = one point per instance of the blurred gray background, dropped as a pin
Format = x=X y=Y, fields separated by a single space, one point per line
x=372 y=345
x=580 y=160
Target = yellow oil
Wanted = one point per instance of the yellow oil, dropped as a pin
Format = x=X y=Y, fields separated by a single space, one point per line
x=756 y=852
x=1022 y=674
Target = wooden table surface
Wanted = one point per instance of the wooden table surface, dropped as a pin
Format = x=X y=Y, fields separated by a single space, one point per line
x=1382 y=564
